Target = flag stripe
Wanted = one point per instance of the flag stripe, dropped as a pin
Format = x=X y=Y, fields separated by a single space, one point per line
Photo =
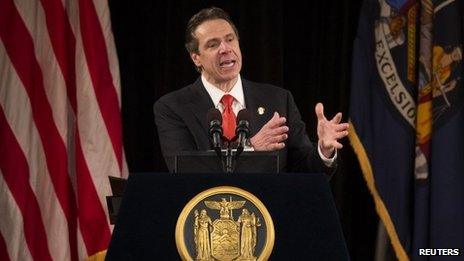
x=15 y=171
x=20 y=49
x=3 y=250
x=81 y=246
x=98 y=63
x=11 y=226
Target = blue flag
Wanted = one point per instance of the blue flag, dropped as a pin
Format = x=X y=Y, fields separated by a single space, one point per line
x=407 y=121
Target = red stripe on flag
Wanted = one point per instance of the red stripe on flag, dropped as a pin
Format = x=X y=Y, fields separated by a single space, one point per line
x=63 y=43
x=19 y=46
x=15 y=171
x=3 y=250
x=99 y=68
x=92 y=218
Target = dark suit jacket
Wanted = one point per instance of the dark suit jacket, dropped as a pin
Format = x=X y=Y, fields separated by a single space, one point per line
x=180 y=117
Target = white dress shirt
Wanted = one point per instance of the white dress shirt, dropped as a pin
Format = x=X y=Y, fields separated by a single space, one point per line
x=239 y=104
x=216 y=95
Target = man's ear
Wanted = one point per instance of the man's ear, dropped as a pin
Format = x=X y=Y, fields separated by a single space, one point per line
x=196 y=59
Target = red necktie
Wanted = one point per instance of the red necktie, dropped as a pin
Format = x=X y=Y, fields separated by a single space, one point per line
x=228 y=117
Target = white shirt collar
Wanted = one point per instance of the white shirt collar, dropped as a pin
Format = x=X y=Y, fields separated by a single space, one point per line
x=216 y=93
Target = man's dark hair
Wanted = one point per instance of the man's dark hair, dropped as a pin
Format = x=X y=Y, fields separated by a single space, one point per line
x=207 y=14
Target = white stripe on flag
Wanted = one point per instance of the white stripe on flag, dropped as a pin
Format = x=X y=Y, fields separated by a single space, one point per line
x=11 y=225
x=82 y=251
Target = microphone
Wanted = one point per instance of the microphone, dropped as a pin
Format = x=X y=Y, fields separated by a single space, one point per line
x=243 y=129
x=214 y=119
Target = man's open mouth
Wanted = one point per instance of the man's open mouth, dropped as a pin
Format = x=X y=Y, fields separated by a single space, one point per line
x=227 y=63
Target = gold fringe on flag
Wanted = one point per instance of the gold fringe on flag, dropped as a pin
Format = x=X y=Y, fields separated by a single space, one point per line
x=379 y=205
x=99 y=256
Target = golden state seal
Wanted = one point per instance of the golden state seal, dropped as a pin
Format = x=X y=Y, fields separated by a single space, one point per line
x=225 y=223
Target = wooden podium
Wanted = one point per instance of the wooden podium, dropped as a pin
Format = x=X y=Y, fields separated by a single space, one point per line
x=305 y=220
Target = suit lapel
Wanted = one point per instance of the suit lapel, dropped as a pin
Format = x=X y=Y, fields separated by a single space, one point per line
x=200 y=103
x=253 y=101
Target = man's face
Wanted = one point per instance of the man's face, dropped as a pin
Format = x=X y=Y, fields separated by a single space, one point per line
x=219 y=53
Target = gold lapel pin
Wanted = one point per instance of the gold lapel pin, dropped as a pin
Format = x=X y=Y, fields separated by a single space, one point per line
x=261 y=110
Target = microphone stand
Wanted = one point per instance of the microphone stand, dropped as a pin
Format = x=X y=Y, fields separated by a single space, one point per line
x=215 y=132
x=219 y=155
x=235 y=158
x=243 y=131
x=229 y=159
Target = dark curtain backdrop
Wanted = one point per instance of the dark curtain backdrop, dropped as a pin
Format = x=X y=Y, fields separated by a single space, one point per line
x=302 y=46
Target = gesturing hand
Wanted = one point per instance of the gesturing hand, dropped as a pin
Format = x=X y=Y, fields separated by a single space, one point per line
x=272 y=135
x=329 y=132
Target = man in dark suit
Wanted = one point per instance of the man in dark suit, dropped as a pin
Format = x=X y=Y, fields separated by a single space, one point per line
x=276 y=125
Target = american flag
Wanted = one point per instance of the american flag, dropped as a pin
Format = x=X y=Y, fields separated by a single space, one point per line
x=60 y=128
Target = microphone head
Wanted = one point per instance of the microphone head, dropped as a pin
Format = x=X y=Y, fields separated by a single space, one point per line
x=243 y=123
x=214 y=120
x=243 y=115
x=213 y=115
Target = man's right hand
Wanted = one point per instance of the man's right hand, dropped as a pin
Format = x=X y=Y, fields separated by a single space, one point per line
x=271 y=136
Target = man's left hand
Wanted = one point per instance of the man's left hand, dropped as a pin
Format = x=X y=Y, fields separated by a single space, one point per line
x=329 y=132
